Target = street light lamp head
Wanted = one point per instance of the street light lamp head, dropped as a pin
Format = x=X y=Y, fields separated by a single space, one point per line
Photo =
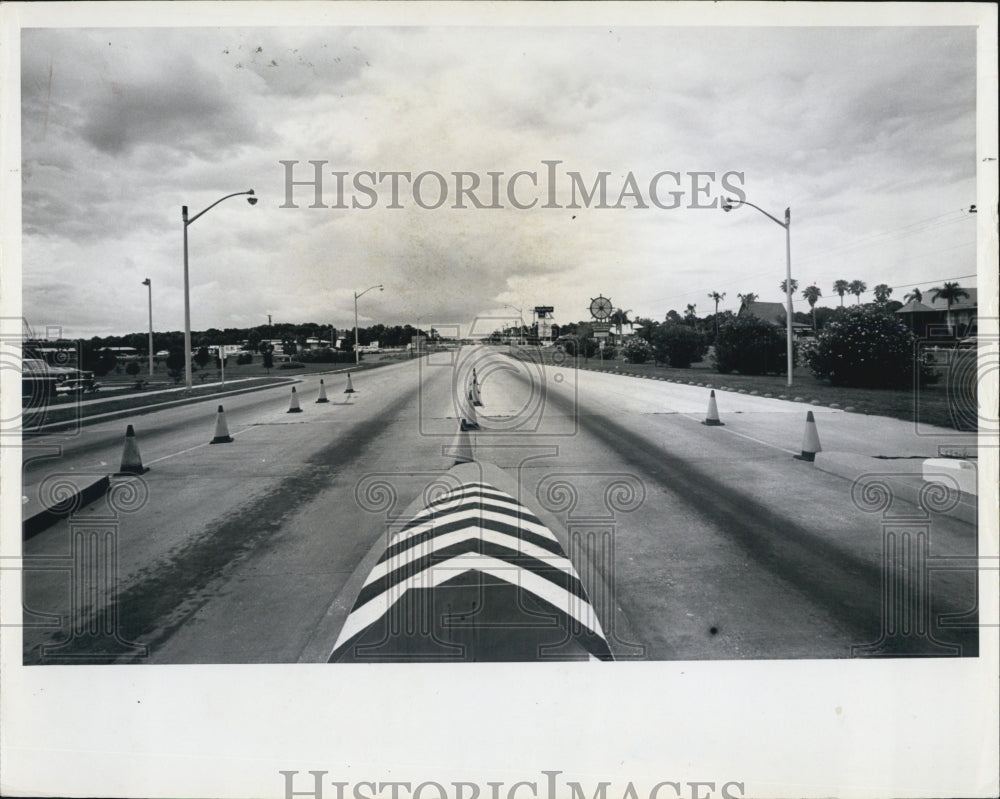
x=251 y=199
x=727 y=205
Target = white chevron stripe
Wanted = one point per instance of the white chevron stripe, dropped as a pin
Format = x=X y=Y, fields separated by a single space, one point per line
x=442 y=504
x=472 y=532
x=468 y=488
x=374 y=609
x=472 y=515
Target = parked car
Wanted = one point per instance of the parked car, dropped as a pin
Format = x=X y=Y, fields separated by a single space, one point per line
x=66 y=378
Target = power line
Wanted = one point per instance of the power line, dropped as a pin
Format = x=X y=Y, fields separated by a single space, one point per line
x=887 y=236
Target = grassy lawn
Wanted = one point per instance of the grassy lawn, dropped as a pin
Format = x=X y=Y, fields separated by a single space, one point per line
x=950 y=403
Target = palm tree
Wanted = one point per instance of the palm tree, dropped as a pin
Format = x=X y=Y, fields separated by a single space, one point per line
x=916 y=295
x=746 y=300
x=795 y=286
x=950 y=292
x=689 y=314
x=619 y=318
x=718 y=298
x=881 y=292
x=841 y=287
x=812 y=293
x=857 y=288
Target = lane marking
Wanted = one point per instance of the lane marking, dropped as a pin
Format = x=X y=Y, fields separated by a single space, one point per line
x=191 y=449
x=744 y=435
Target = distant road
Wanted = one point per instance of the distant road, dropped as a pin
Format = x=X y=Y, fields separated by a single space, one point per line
x=717 y=543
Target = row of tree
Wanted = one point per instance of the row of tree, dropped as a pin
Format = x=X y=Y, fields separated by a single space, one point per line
x=950 y=292
x=293 y=337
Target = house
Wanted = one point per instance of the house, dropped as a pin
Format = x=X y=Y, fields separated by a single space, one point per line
x=774 y=312
x=929 y=316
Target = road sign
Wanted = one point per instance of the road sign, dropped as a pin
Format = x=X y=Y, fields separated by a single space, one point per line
x=601 y=334
x=601 y=327
x=600 y=307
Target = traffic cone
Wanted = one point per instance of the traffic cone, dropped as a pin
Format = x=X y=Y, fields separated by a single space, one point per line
x=810 y=440
x=350 y=387
x=472 y=422
x=294 y=405
x=221 y=429
x=712 y=417
x=461 y=447
x=131 y=461
x=322 y=392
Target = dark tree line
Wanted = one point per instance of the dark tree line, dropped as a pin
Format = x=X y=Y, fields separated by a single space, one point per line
x=288 y=333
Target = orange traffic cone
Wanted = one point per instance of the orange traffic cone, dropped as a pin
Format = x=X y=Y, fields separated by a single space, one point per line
x=350 y=387
x=810 y=440
x=294 y=405
x=712 y=417
x=461 y=447
x=322 y=392
x=131 y=461
x=221 y=429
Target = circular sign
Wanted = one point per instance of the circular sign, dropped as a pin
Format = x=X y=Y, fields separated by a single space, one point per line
x=601 y=308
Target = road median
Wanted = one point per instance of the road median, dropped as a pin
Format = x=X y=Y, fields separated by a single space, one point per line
x=49 y=420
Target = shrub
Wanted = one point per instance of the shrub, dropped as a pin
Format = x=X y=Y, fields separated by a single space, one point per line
x=132 y=369
x=105 y=362
x=751 y=346
x=679 y=345
x=608 y=353
x=291 y=365
x=867 y=347
x=575 y=346
x=175 y=364
x=244 y=358
x=637 y=350
x=175 y=360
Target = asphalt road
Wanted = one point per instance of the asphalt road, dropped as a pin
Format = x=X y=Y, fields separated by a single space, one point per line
x=712 y=542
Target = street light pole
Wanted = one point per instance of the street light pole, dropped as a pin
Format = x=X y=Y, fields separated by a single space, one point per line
x=357 y=352
x=187 y=294
x=520 y=315
x=149 y=283
x=727 y=205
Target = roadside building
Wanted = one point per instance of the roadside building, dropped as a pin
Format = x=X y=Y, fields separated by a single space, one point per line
x=930 y=315
x=774 y=312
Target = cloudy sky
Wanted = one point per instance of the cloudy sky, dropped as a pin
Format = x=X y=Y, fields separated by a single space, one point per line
x=867 y=133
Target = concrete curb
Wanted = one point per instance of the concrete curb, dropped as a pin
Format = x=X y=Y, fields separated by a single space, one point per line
x=905 y=478
x=37 y=516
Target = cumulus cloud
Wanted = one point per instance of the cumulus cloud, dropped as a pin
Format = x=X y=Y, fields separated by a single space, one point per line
x=859 y=130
